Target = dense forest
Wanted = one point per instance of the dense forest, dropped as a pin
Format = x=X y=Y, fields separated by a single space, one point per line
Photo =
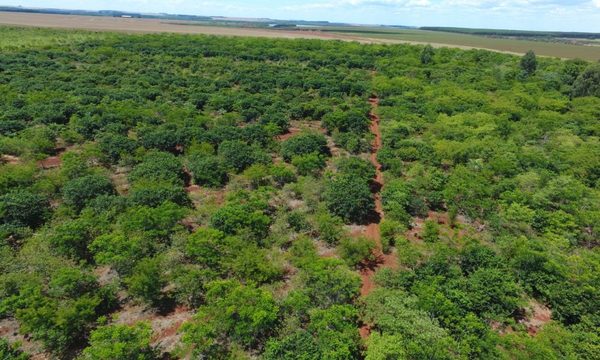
x=171 y=196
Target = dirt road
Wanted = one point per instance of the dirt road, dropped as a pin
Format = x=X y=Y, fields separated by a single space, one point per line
x=373 y=230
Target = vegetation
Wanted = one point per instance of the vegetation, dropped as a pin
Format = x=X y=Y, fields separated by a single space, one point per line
x=490 y=196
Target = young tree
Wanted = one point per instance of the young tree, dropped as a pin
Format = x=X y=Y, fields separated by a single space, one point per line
x=11 y=351
x=237 y=154
x=427 y=55
x=23 y=208
x=350 y=198
x=208 y=170
x=146 y=281
x=121 y=342
x=233 y=314
x=356 y=250
x=77 y=193
x=304 y=144
x=529 y=63
x=588 y=82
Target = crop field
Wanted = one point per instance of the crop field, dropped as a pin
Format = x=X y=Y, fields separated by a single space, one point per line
x=438 y=39
x=360 y=34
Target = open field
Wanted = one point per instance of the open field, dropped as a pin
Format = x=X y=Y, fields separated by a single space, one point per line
x=544 y=48
x=365 y=35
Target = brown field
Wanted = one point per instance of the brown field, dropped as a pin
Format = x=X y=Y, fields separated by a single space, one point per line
x=363 y=35
x=130 y=25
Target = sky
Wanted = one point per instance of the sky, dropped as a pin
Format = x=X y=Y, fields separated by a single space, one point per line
x=560 y=15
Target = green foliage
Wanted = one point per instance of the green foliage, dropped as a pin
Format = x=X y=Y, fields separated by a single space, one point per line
x=238 y=155
x=304 y=144
x=510 y=153
x=115 y=146
x=349 y=197
x=282 y=174
x=427 y=55
x=158 y=166
x=431 y=231
x=329 y=227
x=78 y=193
x=208 y=170
x=121 y=342
x=356 y=250
x=395 y=197
x=153 y=193
x=233 y=314
x=146 y=281
x=22 y=208
x=390 y=229
x=384 y=347
x=356 y=166
x=238 y=219
x=395 y=314
x=11 y=351
x=588 y=82
x=529 y=63
x=309 y=164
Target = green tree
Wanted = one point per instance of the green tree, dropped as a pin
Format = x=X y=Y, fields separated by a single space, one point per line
x=121 y=342
x=23 y=208
x=529 y=63
x=237 y=154
x=385 y=347
x=147 y=281
x=588 y=82
x=208 y=170
x=431 y=232
x=356 y=250
x=427 y=55
x=309 y=164
x=304 y=144
x=350 y=198
x=157 y=165
x=11 y=351
x=233 y=314
x=77 y=193
x=153 y=193
x=282 y=174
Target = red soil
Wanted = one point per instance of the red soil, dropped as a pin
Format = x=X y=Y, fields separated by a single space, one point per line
x=291 y=132
x=50 y=162
x=373 y=229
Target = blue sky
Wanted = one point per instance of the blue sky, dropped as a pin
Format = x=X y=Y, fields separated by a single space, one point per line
x=565 y=15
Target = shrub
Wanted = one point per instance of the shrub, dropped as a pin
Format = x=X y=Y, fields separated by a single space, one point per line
x=157 y=165
x=77 y=193
x=237 y=154
x=282 y=174
x=121 y=342
x=389 y=230
x=431 y=232
x=356 y=250
x=329 y=227
x=309 y=164
x=153 y=193
x=22 y=208
x=146 y=281
x=304 y=144
x=208 y=170
x=350 y=198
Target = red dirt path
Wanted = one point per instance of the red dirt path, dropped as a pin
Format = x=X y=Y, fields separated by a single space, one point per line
x=373 y=229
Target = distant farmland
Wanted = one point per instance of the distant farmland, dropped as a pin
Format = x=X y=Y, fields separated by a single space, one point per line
x=360 y=34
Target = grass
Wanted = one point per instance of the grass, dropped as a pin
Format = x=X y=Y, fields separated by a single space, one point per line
x=14 y=38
